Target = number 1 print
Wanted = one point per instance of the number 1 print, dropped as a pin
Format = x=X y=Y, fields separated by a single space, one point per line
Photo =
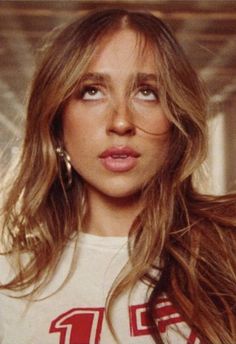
x=79 y=326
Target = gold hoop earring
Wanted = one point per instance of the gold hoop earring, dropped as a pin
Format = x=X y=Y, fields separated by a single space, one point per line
x=65 y=158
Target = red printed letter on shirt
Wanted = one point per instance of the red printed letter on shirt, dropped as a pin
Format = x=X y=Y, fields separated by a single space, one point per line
x=79 y=326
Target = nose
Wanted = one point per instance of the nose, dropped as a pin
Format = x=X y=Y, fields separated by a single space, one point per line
x=120 y=120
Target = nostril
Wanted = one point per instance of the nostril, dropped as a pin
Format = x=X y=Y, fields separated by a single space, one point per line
x=122 y=128
x=120 y=122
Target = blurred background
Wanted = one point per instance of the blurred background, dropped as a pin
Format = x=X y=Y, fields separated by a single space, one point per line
x=206 y=29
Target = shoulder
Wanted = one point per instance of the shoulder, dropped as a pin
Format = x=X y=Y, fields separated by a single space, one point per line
x=7 y=271
x=11 y=263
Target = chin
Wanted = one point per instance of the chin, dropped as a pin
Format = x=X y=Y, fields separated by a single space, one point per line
x=115 y=189
x=118 y=193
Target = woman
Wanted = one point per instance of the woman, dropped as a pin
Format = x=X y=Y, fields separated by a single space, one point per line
x=106 y=238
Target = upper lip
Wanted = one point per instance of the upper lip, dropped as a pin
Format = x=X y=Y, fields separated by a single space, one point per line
x=119 y=151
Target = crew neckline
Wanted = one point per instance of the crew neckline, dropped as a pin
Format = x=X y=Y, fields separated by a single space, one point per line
x=105 y=241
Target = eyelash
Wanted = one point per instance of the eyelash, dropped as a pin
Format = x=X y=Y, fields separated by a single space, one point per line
x=148 y=88
x=87 y=88
x=97 y=88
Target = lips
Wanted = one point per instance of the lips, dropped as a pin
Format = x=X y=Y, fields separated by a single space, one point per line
x=119 y=159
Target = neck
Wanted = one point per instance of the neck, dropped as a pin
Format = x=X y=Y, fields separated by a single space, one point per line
x=110 y=216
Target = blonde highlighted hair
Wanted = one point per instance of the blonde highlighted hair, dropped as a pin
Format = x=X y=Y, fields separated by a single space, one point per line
x=192 y=234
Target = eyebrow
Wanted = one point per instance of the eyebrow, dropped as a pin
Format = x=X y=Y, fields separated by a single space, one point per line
x=141 y=77
x=101 y=77
x=96 y=77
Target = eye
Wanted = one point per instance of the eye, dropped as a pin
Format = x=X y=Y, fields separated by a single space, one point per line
x=91 y=93
x=147 y=93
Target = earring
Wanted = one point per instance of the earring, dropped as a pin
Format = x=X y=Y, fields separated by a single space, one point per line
x=65 y=158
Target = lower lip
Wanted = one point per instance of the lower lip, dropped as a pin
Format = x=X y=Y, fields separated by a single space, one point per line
x=119 y=164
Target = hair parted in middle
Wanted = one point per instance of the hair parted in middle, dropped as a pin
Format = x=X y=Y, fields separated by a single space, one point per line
x=67 y=58
x=42 y=206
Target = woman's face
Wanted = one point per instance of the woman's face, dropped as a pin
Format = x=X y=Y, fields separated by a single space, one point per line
x=115 y=130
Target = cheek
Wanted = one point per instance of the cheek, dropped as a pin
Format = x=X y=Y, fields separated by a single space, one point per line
x=80 y=134
x=75 y=126
x=160 y=123
x=160 y=148
x=77 y=143
x=153 y=122
x=82 y=120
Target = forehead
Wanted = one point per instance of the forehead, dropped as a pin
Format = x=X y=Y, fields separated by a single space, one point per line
x=124 y=50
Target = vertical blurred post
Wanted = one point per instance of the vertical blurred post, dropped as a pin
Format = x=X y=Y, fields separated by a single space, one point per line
x=217 y=153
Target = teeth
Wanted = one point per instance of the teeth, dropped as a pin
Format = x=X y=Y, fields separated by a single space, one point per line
x=119 y=156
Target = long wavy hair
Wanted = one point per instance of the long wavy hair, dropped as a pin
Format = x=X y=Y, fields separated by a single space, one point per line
x=192 y=234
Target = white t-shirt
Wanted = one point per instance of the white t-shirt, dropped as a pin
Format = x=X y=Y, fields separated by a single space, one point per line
x=75 y=314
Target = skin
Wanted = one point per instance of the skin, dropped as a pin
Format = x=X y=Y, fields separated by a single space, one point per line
x=110 y=110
